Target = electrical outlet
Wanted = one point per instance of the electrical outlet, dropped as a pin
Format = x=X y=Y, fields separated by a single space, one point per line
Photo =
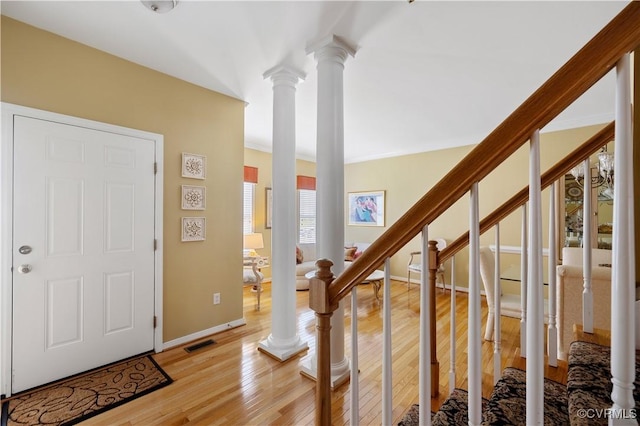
x=216 y=298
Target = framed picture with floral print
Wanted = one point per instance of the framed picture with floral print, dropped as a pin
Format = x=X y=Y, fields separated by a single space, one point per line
x=269 y=207
x=194 y=166
x=194 y=229
x=194 y=197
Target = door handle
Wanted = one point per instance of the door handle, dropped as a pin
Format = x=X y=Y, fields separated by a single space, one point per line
x=25 y=269
x=24 y=250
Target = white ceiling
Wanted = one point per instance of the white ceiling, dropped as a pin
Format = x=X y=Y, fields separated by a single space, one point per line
x=426 y=75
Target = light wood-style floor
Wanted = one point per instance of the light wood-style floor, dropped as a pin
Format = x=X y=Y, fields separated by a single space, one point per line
x=232 y=383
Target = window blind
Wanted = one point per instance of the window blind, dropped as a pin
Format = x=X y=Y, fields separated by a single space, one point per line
x=307 y=216
x=248 y=204
x=248 y=198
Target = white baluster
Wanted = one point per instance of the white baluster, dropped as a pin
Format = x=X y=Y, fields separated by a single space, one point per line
x=424 y=369
x=474 y=339
x=535 y=297
x=355 y=385
x=387 y=381
x=587 y=293
x=524 y=275
x=552 y=330
x=452 y=365
x=623 y=273
x=497 y=293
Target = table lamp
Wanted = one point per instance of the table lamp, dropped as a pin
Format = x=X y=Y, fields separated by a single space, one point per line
x=251 y=243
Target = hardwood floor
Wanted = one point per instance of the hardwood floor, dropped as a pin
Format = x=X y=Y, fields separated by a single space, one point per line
x=232 y=383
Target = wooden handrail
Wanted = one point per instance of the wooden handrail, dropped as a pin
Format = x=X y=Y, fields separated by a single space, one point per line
x=553 y=174
x=583 y=70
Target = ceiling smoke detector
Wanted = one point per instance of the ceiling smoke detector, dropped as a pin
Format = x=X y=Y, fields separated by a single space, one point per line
x=160 y=6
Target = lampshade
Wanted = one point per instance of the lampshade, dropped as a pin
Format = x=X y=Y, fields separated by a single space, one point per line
x=253 y=241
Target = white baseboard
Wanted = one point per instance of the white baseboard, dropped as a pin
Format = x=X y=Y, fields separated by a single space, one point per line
x=438 y=285
x=515 y=249
x=204 y=333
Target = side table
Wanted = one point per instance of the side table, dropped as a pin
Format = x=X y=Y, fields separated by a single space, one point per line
x=375 y=279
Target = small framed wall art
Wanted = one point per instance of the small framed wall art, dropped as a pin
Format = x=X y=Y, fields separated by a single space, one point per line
x=194 y=229
x=194 y=197
x=194 y=166
x=366 y=208
x=269 y=207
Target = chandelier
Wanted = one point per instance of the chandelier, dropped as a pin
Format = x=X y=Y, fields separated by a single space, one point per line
x=603 y=175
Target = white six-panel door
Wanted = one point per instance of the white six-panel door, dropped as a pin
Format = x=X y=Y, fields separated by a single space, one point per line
x=83 y=249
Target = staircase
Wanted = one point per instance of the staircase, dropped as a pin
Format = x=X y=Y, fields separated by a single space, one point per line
x=584 y=401
x=607 y=50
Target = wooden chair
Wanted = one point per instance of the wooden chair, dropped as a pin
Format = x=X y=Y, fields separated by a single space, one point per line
x=415 y=266
x=252 y=276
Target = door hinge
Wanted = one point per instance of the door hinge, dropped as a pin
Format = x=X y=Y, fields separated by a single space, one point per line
x=155 y=321
x=155 y=245
x=155 y=168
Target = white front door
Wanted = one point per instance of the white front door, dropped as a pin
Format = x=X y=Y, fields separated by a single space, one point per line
x=83 y=249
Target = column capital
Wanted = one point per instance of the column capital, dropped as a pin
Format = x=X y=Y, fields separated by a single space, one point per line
x=284 y=73
x=331 y=47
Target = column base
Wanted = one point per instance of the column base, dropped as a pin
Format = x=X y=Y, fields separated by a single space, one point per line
x=279 y=353
x=339 y=374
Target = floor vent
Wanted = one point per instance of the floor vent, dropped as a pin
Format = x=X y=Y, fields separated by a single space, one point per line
x=200 y=345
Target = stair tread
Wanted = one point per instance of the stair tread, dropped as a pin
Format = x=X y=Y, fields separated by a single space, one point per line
x=453 y=411
x=589 y=383
x=507 y=404
x=588 y=387
x=557 y=374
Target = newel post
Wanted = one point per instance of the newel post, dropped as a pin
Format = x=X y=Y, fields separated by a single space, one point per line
x=323 y=307
x=433 y=268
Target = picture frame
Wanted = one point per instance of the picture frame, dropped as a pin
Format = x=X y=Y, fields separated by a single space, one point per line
x=194 y=229
x=194 y=166
x=268 y=192
x=366 y=208
x=193 y=197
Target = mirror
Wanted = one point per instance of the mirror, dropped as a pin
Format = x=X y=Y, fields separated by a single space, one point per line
x=573 y=197
x=573 y=212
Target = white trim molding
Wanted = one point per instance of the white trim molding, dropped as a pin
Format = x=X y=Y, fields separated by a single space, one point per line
x=204 y=333
x=514 y=249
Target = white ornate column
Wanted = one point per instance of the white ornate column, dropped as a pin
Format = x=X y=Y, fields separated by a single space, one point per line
x=284 y=341
x=331 y=53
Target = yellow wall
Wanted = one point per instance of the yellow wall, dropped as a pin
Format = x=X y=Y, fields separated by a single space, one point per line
x=262 y=160
x=45 y=71
x=405 y=179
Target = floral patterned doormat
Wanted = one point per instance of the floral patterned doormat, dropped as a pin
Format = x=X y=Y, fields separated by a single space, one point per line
x=77 y=398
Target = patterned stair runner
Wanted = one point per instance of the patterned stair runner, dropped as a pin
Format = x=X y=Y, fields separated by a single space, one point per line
x=507 y=405
x=584 y=401
x=589 y=383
